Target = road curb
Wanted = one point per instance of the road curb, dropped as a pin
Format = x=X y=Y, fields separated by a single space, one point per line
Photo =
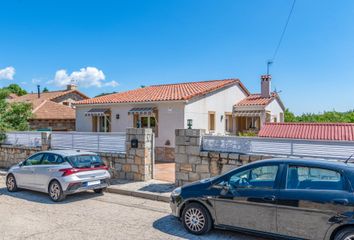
x=146 y=195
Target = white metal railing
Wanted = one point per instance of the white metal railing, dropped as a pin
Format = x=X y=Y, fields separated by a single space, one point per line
x=89 y=141
x=26 y=138
x=279 y=147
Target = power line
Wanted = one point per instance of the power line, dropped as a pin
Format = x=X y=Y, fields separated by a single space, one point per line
x=283 y=33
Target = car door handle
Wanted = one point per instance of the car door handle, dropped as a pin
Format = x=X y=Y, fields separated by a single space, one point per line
x=270 y=198
x=340 y=201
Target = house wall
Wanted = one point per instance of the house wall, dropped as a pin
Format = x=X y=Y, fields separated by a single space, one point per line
x=69 y=97
x=170 y=117
x=275 y=109
x=220 y=102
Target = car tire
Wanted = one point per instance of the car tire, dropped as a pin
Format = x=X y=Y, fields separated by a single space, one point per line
x=99 y=190
x=346 y=233
x=55 y=191
x=196 y=219
x=11 y=184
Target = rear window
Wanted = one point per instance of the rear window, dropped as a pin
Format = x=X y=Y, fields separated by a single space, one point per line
x=313 y=178
x=85 y=161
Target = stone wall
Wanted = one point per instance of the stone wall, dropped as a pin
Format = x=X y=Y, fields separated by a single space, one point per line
x=11 y=155
x=113 y=161
x=135 y=164
x=193 y=164
x=73 y=96
x=54 y=124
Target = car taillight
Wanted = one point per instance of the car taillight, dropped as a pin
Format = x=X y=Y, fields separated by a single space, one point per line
x=68 y=171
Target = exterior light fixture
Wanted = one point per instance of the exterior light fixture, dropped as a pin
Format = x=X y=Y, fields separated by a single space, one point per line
x=189 y=123
x=117 y=116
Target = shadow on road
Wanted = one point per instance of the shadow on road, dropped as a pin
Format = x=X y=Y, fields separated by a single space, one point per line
x=39 y=197
x=158 y=188
x=170 y=225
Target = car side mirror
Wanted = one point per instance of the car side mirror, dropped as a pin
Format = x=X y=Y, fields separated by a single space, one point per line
x=21 y=164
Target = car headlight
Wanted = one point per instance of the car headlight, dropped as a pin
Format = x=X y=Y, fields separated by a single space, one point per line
x=176 y=192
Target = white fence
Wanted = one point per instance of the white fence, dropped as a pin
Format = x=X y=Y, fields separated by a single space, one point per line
x=89 y=141
x=279 y=147
x=28 y=139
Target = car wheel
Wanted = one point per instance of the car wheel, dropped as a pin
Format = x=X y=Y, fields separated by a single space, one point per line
x=196 y=219
x=11 y=183
x=56 y=192
x=345 y=234
x=99 y=190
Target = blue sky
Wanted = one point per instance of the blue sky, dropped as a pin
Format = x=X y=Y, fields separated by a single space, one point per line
x=135 y=43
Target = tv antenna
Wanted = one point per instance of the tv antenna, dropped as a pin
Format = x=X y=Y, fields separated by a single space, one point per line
x=276 y=91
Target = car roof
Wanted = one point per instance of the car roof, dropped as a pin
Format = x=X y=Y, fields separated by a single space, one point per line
x=66 y=153
x=337 y=164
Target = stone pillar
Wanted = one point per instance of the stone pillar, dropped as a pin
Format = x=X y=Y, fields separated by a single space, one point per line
x=138 y=165
x=45 y=138
x=193 y=164
x=189 y=165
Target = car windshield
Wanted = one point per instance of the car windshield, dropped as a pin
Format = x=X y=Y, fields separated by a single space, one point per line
x=85 y=161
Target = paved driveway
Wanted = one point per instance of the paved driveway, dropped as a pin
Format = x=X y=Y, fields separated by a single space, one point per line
x=30 y=215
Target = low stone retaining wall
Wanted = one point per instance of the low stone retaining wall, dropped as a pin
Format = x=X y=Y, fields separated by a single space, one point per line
x=135 y=164
x=11 y=155
x=193 y=164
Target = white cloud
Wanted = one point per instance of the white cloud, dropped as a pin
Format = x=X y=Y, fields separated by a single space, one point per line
x=7 y=73
x=36 y=80
x=86 y=77
x=111 y=84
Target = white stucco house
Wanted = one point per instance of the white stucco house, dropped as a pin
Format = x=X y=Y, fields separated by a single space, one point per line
x=220 y=106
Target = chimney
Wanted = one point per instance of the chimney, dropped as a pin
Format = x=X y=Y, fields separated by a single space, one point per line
x=39 y=91
x=71 y=86
x=265 y=85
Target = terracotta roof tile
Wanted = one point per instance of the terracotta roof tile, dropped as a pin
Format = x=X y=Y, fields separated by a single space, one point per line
x=33 y=97
x=311 y=131
x=256 y=99
x=166 y=92
x=45 y=108
x=52 y=110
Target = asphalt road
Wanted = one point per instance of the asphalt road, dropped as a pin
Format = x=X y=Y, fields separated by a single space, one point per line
x=31 y=215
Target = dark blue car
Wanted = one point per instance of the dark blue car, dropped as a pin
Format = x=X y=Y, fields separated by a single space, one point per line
x=294 y=199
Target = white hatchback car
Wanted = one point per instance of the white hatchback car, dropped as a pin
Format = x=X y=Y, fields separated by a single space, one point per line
x=59 y=173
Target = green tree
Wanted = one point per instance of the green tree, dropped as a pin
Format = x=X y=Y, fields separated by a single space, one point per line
x=327 y=116
x=13 y=116
x=289 y=116
x=4 y=93
x=15 y=88
x=16 y=116
x=45 y=89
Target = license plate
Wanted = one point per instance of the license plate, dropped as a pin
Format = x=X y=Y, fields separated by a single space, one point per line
x=93 y=183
